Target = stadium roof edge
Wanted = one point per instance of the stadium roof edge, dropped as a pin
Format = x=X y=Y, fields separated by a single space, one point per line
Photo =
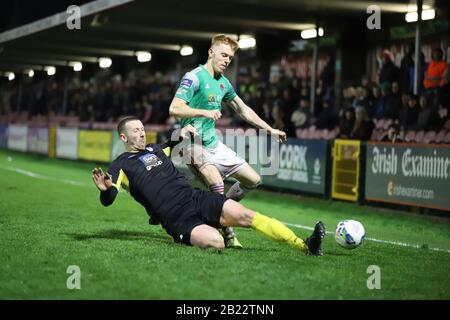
x=120 y=28
x=59 y=18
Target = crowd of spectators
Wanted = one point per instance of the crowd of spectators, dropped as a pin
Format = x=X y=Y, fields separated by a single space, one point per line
x=392 y=99
x=282 y=100
x=101 y=99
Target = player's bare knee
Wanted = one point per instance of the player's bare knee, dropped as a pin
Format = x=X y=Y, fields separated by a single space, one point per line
x=216 y=242
x=253 y=184
x=257 y=182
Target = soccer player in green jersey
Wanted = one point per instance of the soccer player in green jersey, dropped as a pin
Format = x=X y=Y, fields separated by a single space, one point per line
x=198 y=102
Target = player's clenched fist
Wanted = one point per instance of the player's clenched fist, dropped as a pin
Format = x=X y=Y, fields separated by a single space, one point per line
x=281 y=135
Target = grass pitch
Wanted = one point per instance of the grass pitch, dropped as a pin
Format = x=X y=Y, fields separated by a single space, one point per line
x=51 y=218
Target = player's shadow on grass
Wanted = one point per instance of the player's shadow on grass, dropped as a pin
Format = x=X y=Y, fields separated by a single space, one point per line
x=115 y=234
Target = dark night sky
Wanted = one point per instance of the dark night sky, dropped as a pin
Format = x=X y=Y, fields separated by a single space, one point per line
x=19 y=12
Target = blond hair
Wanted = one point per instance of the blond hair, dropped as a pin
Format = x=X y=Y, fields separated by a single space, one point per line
x=223 y=38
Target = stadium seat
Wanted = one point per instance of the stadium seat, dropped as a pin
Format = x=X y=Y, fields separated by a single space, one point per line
x=157 y=127
x=240 y=131
x=379 y=124
x=321 y=134
x=410 y=136
x=97 y=126
x=23 y=116
x=326 y=133
x=315 y=134
x=377 y=135
x=310 y=133
x=304 y=133
x=447 y=138
x=374 y=135
x=318 y=134
x=252 y=132
x=440 y=136
x=87 y=125
x=224 y=122
x=429 y=137
x=334 y=133
x=387 y=123
x=381 y=135
x=375 y=123
x=419 y=136
x=401 y=135
x=329 y=135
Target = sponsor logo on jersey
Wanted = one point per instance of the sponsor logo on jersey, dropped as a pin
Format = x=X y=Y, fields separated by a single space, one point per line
x=207 y=86
x=186 y=83
x=150 y=161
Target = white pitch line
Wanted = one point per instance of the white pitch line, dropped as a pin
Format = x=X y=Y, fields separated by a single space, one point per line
x=41 y=177
x=396 y=243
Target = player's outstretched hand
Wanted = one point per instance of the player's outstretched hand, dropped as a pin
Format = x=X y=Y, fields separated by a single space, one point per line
x=101 y=179
x=281 y=135
x=213 y=114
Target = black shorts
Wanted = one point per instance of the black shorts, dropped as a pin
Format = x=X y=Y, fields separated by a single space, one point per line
x=206 y=208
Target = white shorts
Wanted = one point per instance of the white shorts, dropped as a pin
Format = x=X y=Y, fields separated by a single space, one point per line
x=222 y=157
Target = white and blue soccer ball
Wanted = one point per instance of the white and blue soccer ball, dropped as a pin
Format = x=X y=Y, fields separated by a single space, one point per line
x=349 y=234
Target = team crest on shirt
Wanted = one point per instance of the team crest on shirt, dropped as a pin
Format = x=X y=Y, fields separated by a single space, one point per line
x=222 y=86
x=150 y=161
x=211 y=98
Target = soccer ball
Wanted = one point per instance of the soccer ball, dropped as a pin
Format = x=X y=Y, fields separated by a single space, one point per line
x=349 y=234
